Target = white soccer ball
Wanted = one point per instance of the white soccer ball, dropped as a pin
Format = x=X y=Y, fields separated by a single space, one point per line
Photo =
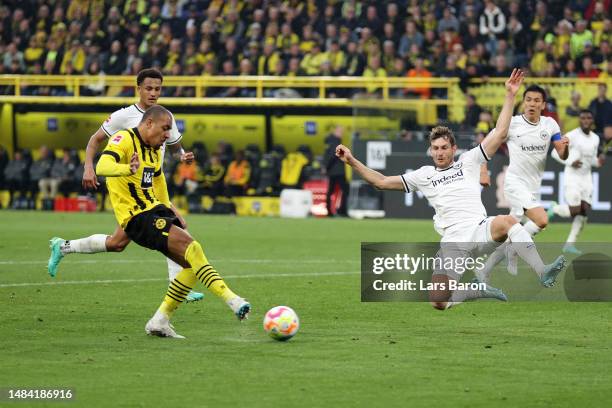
x=281 y=323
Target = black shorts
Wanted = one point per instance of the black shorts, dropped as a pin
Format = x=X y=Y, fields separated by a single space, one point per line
x=150 y=228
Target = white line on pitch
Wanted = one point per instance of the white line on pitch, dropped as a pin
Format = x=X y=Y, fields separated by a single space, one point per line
x=251 y=276
x=160 y=261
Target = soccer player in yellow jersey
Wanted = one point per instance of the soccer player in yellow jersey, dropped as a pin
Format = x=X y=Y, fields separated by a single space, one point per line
x=149 y=87
x=131 y=163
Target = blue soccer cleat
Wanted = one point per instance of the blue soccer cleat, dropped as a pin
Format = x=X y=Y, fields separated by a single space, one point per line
x=56 y=256
x=550 y=212
x=552 y=270
x=491 y=292
x=194 y=297
x=571 y=249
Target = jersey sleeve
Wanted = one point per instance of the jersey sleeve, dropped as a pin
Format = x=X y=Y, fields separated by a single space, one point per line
x=116 y=156
x=554 y=129
x=115 y=122
x=175 y=135
x=475 y=156
x=411 y=180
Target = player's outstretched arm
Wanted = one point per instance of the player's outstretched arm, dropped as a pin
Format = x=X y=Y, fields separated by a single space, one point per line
x=373 y=177
x=499 y=134
x=90 y=181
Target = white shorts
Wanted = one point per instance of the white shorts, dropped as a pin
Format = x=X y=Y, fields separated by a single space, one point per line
x=521 y=198
x=574 y=193
x=467 y=240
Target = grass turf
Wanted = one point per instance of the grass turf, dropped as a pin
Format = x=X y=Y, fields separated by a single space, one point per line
x=85 y=329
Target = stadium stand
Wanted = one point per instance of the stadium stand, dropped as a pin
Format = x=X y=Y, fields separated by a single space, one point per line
x=472 y=41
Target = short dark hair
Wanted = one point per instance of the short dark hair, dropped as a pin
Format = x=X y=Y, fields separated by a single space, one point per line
x=442 y=132
x=535 y=88
x=148 y=73
x=586 y=111
x=155 y=112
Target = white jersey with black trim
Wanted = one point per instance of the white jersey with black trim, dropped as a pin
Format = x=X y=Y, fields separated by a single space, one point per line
x=129 y=117
x=528 y=145
x=454 y=192
x=582 y=147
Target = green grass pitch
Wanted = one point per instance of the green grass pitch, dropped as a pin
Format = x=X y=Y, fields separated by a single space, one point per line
x=85 y=329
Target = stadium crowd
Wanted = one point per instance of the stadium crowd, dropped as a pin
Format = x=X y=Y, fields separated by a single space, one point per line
x=414 y=38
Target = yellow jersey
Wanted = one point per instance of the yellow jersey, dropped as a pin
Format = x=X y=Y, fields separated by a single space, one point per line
x=131 y=194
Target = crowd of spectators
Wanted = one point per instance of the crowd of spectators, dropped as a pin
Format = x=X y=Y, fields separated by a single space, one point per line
x=414 y=38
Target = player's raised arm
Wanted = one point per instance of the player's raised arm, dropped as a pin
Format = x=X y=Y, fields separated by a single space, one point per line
x=90 y=181
x=498 y=135
x=373 y=177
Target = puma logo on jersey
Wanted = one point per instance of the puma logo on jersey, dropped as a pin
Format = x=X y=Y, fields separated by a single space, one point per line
x=116 y=139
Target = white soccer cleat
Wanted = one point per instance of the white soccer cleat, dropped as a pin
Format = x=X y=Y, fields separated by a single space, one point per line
x=240 y=307
x=512 y=260
x=160 y=326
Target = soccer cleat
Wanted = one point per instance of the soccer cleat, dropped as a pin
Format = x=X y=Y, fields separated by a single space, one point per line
x=240 y=307
x=194 y=297
x=511 y=260
x=160 y=326
x=552 y=270
x=571 y=249
x=491 y=292
x=56 y=256
x=550 y=212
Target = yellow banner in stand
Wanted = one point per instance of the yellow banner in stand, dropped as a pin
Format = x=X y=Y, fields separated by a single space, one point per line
x=293 y=130
x=58 y=130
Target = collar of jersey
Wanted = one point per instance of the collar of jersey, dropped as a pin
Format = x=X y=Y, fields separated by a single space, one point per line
x=448 y=168
x=531 y=123
x=135 y=130
x=138 y=107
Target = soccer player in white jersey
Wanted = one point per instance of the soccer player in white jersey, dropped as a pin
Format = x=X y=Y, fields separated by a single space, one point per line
x=453 y=189
x=529 y=138
x=149 y=85
x=578 y=181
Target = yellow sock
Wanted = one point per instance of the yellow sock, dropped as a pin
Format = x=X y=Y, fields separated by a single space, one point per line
x=206 y=273
x=178 y=290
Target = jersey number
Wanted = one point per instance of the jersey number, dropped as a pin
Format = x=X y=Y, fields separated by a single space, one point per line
x=147 y=177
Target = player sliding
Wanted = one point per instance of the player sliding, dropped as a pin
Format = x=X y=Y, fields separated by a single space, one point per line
x=130 y=162
x=528 y=139
x=453 y=189
x=578 y=185
x=149 y=85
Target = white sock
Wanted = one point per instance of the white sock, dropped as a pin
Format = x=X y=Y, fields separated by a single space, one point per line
x=484 y=274
x=525 y=247
x=532 y=228
x=577 y=225
x=90 y=245
x=173 y=269
x=562 y=210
